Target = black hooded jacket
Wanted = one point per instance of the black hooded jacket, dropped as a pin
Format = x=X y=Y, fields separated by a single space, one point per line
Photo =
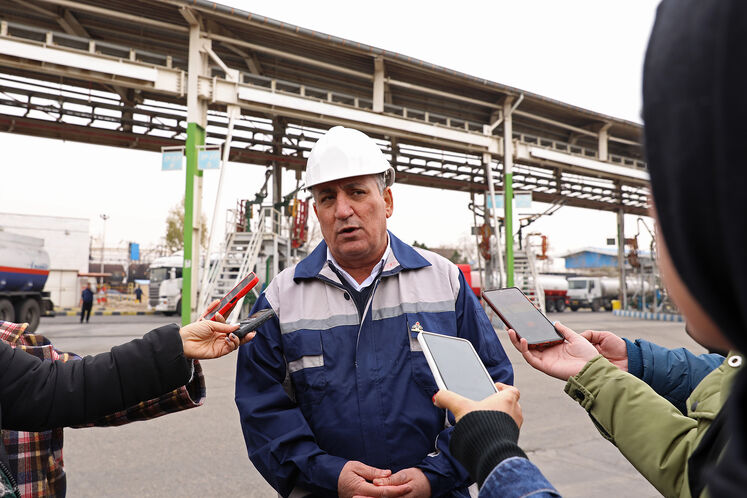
x=695 y=115
x=39 y=395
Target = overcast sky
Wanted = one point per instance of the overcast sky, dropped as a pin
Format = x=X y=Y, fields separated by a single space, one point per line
x=586 y=53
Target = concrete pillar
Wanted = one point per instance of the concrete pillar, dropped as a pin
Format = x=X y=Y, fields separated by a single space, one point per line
x=603 y=142
x=378 y=84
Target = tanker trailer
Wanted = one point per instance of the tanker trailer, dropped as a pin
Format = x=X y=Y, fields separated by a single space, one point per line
x=598 y=292
x=555 y=288
x=24 y=268
x=592 y=292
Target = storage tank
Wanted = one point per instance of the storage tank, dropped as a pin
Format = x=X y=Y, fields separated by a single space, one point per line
x=553 y=282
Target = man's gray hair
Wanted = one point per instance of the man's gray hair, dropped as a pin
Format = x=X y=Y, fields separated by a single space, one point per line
x=381 y=181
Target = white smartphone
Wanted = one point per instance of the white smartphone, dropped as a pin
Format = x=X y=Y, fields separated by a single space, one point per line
x=456 y=366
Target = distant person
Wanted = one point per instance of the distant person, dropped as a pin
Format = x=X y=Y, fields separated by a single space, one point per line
x=138 y=294
x=86 y=303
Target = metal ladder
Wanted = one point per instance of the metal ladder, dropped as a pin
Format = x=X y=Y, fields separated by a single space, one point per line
x=525 y=276
x=239 y=255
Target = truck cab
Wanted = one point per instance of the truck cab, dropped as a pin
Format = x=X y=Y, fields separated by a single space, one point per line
x=592 y=292
x=165 y=289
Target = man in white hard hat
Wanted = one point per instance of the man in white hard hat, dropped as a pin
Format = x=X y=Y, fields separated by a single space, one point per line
x=335 y=393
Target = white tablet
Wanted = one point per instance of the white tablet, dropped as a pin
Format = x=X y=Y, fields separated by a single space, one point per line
x=456 y=366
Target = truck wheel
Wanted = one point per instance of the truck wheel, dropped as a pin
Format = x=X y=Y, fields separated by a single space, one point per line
x=574 y=307
x=179 y=308
x=550 y=306
x=608 y=306
x=29 y=312
x=560 y=305
x=595 y=306
x=7 y=313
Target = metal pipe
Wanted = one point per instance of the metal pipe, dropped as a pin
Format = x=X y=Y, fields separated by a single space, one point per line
x=473 y=208
x=621 y=257
x=233 y=112
x=494 y=211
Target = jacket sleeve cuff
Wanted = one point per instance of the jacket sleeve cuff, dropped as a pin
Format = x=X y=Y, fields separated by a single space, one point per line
x=586 y=385
x=325 y=470
x=483 y=439
x=175 y=369
x=635 y=358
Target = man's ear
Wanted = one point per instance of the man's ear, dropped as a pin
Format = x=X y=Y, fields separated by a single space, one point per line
x=313 y=204
x=389 y=201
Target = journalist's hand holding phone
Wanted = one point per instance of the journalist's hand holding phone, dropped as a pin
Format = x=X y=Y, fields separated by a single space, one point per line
x=505 y=400
x=563 y=360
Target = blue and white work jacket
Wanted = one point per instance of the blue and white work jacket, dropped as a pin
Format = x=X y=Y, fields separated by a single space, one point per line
x=318 y=387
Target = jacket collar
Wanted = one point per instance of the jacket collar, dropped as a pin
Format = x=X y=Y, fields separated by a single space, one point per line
x=401 y=257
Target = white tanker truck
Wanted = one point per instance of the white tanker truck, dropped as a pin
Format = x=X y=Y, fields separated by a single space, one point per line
x=598 y=292
x=555 y=288
x=24 y=268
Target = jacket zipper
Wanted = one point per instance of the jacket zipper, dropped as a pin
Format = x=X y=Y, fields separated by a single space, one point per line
x=365 y=312
x=10 y=477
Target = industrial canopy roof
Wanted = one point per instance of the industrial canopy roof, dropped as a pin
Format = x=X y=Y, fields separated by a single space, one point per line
x=559 y=151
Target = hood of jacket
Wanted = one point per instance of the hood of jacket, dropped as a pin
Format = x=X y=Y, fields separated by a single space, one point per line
x=694 y=109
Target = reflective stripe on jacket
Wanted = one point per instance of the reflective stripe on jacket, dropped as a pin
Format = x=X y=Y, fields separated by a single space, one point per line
x=356 y=391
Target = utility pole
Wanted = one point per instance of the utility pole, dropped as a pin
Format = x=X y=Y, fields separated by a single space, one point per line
x=103 y=244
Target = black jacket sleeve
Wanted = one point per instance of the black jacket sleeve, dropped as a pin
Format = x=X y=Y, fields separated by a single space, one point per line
x=483 y=439
x=37 y=395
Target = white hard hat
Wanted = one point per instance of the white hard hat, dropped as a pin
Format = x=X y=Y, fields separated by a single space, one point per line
x=344 y=153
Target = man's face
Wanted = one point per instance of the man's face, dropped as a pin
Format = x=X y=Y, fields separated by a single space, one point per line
x=352 y=214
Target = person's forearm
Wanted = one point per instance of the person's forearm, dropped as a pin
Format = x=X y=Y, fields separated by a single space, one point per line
x=80 y=392
x=617 y=402
x=483 y=439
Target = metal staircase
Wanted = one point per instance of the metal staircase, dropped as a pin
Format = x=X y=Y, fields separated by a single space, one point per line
x=525 y=277
x=239 y=255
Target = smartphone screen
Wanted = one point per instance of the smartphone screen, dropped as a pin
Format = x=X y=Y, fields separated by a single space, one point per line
x=244 y=286
x=458 y=366
x=518 y=313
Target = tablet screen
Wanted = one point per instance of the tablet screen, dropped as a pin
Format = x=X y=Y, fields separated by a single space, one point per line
x=460 y=368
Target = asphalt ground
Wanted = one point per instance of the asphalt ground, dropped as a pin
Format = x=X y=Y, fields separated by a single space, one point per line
x=200 y=452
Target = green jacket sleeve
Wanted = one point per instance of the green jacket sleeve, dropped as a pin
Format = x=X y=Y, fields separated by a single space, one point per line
x=648 y=430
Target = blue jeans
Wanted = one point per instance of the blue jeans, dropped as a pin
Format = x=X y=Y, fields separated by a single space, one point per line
x=517 y=477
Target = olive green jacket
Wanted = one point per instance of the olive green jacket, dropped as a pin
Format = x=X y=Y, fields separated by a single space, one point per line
x=649 y=431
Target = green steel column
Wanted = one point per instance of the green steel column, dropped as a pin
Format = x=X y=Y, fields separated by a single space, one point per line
x=508 y=187
x=195 y=137
x=508 y=192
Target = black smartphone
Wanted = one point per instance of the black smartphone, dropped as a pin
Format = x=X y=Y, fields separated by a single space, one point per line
x=228 y=301
x=253 y=322
x=516 y=310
